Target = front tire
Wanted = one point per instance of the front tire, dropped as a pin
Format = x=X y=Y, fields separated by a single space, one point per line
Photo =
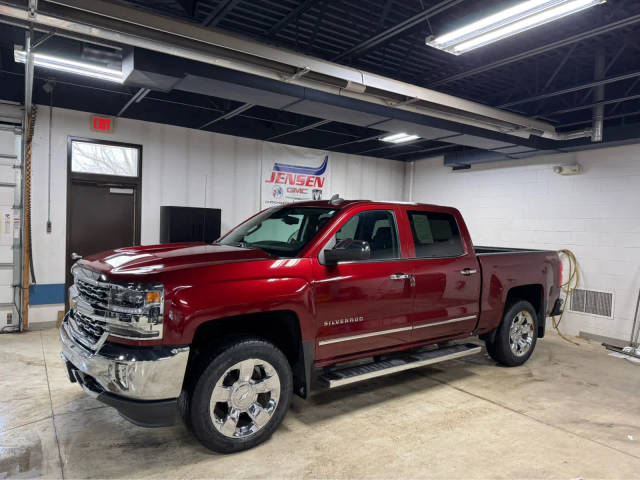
x=516 y=336
x=242 y=396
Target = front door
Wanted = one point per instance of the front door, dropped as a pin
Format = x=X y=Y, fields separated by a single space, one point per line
x=363 y=306
x=447 y=277
x=103 y=199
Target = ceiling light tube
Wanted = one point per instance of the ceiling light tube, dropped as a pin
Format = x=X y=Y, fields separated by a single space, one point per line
x=508 y=22
x=70 y=66
x=399 y=138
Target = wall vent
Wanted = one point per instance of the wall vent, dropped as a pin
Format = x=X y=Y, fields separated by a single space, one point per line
x=592 y=302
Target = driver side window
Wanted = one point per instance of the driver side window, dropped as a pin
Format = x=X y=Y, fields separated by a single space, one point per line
x=377 y=227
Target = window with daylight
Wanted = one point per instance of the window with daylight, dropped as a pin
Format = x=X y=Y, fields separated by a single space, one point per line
x=103 y=159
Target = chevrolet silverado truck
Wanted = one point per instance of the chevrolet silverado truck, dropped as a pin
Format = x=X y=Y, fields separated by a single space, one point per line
x=223 y=334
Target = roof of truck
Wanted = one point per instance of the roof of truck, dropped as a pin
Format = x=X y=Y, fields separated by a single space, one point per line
x=342 y=203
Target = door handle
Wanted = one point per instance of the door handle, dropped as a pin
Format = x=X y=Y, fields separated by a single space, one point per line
x=75 y=256
x=468 y=271
x=404 y=276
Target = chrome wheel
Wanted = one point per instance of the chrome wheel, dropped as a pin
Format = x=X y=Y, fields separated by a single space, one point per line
x=245 y=398
x=521 y=333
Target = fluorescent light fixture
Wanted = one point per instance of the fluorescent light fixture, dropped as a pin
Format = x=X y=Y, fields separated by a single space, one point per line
x=399 y=138
x=508 y=22
x=67 y=65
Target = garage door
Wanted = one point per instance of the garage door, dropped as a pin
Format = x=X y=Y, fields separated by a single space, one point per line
x=9 y=177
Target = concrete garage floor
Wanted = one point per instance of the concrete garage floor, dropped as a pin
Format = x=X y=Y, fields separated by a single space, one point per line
x=569 y=412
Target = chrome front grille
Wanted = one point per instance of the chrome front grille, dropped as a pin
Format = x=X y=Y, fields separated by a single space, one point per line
x=93 y=329
x=88 y=316
x=93 y=292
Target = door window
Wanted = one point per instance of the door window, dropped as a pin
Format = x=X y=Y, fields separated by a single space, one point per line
x=104 y=159
x=435 y=235
x=377 y=227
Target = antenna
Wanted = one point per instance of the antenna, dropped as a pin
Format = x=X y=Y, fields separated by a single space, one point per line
x=335 y=199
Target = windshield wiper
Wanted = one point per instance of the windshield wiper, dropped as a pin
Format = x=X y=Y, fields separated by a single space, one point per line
x=239 y=244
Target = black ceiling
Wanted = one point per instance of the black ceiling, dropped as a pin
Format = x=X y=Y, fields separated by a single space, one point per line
x=385 y=37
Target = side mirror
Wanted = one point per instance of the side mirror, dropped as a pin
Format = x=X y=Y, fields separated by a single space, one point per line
x=347 y=251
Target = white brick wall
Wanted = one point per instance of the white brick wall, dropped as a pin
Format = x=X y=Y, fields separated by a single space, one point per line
x=525 y=204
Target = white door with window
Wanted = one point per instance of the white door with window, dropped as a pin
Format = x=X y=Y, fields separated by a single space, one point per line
x=103 y=203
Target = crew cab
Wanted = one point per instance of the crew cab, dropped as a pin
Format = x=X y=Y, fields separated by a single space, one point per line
x=223 y=334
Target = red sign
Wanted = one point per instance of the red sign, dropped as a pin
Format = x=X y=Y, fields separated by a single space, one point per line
x=102 y=124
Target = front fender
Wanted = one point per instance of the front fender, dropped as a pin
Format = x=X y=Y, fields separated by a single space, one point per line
x=191 y=306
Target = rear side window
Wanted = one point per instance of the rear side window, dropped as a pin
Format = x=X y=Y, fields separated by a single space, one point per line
x=435 y=235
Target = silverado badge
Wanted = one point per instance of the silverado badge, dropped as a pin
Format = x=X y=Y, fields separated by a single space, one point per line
x=342 y=321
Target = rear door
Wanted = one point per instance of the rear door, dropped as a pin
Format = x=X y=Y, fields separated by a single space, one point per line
x=447 y=275
x=366 y=305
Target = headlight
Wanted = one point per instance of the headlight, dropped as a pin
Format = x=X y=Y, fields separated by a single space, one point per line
x=136 y=311
x=132 y=310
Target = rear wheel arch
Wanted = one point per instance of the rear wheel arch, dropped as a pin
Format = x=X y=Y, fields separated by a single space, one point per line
x=534 y=294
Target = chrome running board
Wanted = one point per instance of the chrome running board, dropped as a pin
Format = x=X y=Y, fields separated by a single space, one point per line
x=421 y=358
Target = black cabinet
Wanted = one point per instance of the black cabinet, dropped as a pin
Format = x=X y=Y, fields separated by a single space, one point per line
x=189 y=224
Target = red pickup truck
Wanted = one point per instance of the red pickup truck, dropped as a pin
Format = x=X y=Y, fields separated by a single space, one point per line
x=224 y=333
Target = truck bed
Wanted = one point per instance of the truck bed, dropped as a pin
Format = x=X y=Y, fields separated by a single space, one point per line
x=535 y=272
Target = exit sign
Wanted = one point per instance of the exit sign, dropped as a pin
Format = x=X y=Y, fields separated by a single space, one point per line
x=102 y=124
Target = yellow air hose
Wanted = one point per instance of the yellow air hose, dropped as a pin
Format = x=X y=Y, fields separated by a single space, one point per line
x=567 y=287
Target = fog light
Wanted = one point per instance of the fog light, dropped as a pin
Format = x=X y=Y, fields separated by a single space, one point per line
x=121 y=375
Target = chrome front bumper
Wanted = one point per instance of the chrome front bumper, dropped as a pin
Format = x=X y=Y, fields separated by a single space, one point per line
x=137 y=373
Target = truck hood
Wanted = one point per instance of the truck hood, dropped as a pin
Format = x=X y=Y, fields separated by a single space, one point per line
x=163 y=258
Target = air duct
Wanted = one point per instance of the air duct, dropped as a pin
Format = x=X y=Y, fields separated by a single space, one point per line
x=598 y=109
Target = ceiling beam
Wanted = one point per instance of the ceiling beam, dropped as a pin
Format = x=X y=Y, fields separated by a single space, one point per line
x=559 y=67
x=595 y=104
x=604 y=81
x=324 y=6
x=625 y=22
x=301 y=129
x=383 y=13
x=424 y=150
x=189 y=7
x=359 y=140
x=218 y=13
x=228 y=115
x=135 y=98
x=626 y=93
x=397 y=29
x=43 y=39
x=292 y=16
x=609 y=117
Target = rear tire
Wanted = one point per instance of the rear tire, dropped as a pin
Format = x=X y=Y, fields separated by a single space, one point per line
x=242 y=396
x=516 y=336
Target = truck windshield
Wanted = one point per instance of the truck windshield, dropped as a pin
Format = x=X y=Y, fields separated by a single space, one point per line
x=280 y=231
